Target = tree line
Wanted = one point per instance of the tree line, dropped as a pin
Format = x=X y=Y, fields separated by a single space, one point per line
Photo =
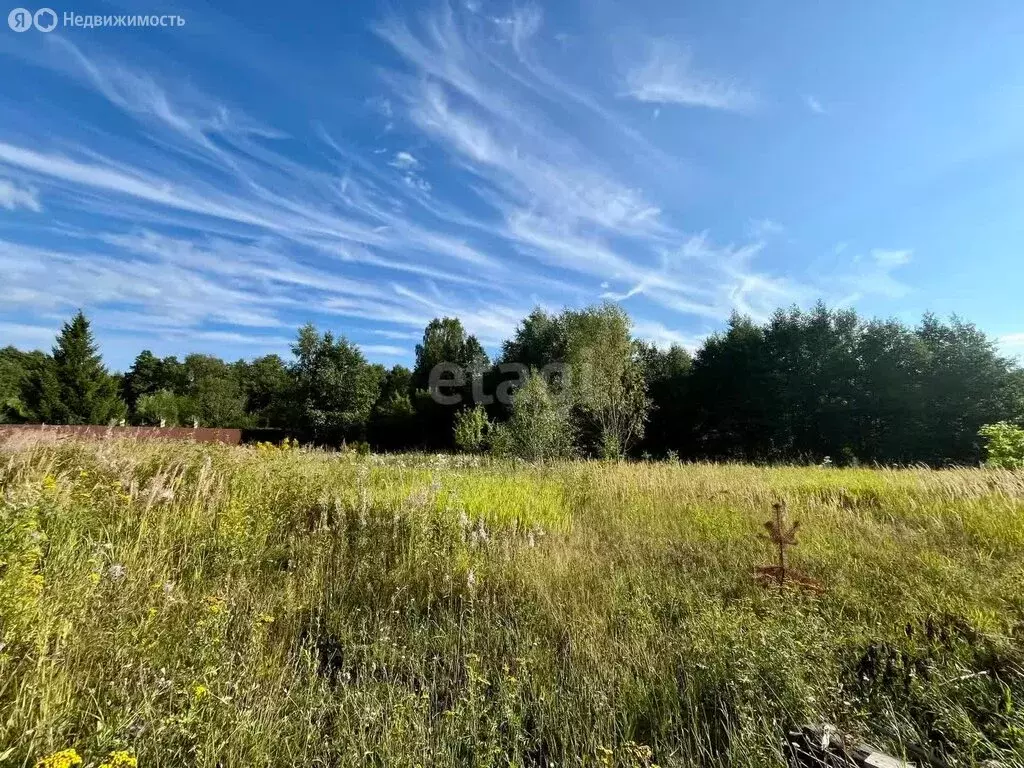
x=802 y=386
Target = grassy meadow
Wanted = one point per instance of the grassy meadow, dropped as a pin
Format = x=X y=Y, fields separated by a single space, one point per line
x=188 y=605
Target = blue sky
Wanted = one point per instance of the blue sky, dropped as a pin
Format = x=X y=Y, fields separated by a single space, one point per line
x=367 y=167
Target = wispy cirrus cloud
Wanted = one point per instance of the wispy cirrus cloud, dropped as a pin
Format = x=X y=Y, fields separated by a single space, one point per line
x=13 y=196
x=491 y=109
x=664 y=337
x=164 y=288
x=384 y=350
x=404 y=161
x=28 y=336
x=667 y=75
x=814 y=105
x=760 y=229
x=874 y=274
x=496 y=180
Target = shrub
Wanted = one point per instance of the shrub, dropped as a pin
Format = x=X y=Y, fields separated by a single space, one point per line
x=540 y=427
x=471 y=428
x=1005 y=445
x=159 y=409
x=287 y=445
x=358 y=447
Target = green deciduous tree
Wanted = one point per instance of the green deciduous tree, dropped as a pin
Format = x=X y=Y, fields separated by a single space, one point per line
x=455 y=359
x=393 y=420
x=213 y=394
x=606 y=377
x=539 y=339
x=159 y=409
x=150 y=374
x=335 y=388
x=1005 y=445
x=604 y=371
x=267 y=387
x=16 y=368
x=446 y=341
x=540 y=427
x=667 y=375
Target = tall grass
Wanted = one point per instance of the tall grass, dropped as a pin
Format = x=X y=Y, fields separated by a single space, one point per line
x=213 y=606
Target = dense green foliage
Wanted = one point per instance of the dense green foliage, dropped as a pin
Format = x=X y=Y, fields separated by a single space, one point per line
x=801 y=387
x=540 y=427
x=1005 y=445
x=334 y=387
x=471 y=429
x=210 y=606
x=822 y=383
x=159 y=409
x=16 y=369
x=606 y=384
x=72 y=386
x=451 y=355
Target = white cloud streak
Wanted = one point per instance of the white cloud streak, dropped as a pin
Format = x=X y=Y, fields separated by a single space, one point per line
x=13 y=197
x=667 y=76
x=814 y=105
x=223 y=234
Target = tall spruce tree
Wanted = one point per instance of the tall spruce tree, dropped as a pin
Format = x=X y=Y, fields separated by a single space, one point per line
x=74 y=388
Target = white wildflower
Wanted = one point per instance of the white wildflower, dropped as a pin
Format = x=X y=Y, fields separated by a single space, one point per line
x=481 y=532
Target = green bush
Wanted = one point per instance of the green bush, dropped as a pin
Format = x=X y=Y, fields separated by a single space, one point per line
x=541 y=426
x=160 y=408
x=471 y=429
x=1005 y=445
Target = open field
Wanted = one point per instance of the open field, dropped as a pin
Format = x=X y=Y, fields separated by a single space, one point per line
x=216 y=606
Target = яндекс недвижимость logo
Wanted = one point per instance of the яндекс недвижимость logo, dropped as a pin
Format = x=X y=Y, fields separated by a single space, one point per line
x=22 y=20
x=46 y=20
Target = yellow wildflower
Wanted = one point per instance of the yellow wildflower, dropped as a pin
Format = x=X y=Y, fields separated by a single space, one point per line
x=200 y=692
x=120 y=759
x=66 y=758
x=215 y=605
